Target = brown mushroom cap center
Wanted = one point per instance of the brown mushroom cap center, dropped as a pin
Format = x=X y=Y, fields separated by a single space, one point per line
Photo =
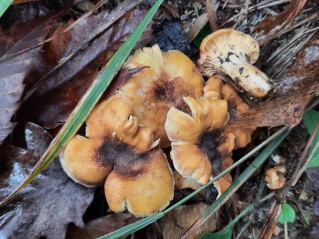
x=121 y=157
x=169 y=91
x=208 y=143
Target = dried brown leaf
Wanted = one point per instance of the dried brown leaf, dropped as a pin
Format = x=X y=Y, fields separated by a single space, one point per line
x=284 y=110
x=177 y=222
x=55 y=99
x=14 y=70
x=304 y=70
x=99 y=227
x=50 y=203
x=272 y=26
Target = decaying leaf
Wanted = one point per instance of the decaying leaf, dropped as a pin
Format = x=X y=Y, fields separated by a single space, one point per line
x=68 y=84
x=297 y=87
x=177 y=222
x=14 y=70
x=99 y=227
x=50 y=203
x=272 y=26
x=304 y=71
x=284 y=110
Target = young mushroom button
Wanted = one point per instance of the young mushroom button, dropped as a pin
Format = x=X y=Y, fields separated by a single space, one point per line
x=233 y=53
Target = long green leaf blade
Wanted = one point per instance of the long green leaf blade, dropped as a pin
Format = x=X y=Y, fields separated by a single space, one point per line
x=4 y=4
x=82 y=110
x=131 y=228
x=247 y=172
x=239 y=181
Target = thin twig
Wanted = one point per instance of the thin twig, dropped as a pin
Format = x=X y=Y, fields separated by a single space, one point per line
x=286 y=230
x=257 y=7
x=85 y=15
x=211 y=14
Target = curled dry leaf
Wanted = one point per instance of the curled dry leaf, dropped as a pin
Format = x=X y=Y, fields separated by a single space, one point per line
x=14 y=70
x=68 y=84
x=50 y=203
x=272 y=26
x=177 y=222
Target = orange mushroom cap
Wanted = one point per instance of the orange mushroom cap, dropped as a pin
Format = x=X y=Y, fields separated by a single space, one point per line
x=216 y=89
x=166 y=78
x=80 y=161
x=275 y=177
x=198 y=147
x=233 y=53
x=138 y=176
x=185 y=182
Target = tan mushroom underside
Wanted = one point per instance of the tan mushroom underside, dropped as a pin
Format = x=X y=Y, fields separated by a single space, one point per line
x=233 y=53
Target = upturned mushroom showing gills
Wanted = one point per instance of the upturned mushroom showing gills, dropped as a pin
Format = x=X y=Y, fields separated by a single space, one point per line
x=124 y=155
x=199 y=147
x=233 y=53
x=166 y=78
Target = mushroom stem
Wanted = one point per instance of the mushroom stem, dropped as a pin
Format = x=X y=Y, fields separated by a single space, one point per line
x=249 y=77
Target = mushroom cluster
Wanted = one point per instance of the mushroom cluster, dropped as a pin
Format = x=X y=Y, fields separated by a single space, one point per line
x=167 y=78
x=166 y=104
x=123 y=155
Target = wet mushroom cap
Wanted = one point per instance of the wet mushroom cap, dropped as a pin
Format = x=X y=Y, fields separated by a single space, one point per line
x=80 y=161
x=166 y=78
x=122 y=154
x=144 y=186
x=198 y=145
x=233 y=53
x=216 y=89
x=185 y=182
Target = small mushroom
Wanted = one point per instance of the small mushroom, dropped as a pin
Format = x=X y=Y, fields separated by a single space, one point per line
x=166 y=78
x=216 y=89
x=233 y=53
x=124 y=155
x=275 y=177
x=199 y=147
x=185 y=182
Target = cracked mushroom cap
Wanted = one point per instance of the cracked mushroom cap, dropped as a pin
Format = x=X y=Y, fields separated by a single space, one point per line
x=199 y=149
x=216 y=89
x=233 y=53
x=138 y=176
x=166 y=78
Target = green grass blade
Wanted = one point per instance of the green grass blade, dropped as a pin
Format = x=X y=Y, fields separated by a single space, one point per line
x=241 y=179
x=131 y=228
x=4 y=4
x=88 y=101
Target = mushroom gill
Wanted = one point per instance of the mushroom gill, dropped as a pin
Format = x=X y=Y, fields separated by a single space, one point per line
x=233 y=53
